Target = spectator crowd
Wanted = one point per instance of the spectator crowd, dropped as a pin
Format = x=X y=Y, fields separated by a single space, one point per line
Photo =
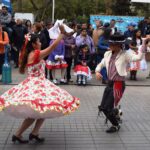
x=83 y=48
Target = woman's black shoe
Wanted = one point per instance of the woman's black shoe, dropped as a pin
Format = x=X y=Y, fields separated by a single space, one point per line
x=36 y=138
x=19 y=140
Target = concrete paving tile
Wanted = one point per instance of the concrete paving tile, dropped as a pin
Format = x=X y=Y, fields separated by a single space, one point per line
x=82 y=130
x=137 y=148
x=81 y=148
x=139 y=145
x=51 y=147
x=110 y=146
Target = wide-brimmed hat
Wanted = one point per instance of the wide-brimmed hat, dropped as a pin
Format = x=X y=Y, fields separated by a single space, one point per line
x=117 y=38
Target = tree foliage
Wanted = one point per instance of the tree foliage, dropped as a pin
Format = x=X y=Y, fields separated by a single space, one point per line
x=77 y=10
x=142 y=9
x=121 y=7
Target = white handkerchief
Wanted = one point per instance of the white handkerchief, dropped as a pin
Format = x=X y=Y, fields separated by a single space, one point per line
x=54 y=31
x=58 y=22
x=67 y=29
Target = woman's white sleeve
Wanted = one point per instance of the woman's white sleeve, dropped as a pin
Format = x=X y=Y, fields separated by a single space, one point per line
x=100 y=66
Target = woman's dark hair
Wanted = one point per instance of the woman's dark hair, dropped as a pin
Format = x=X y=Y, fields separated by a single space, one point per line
x=28 y=49
x=134 y=36
x=133 y=43
x=107 y=33
x=106 y=25
x=83 y=46
x=5 y=7
x=79 y=26
x=83 y=29
x=26 y=23
x=38 y=26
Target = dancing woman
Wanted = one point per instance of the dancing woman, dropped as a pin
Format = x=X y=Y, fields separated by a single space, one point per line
x=36 y=98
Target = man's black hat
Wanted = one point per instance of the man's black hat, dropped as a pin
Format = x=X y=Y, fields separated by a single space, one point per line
x=117 y=38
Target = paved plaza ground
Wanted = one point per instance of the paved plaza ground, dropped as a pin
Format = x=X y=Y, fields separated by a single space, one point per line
x=82 y=130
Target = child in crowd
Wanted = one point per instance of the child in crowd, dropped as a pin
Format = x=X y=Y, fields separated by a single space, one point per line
x=136 y=42
x=56 y=62
x=133 y=66
x=137 y=65
x=82 y=70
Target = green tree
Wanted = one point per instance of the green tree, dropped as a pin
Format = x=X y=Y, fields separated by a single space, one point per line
x=141 y=9
x=121 y=7
x=79 y=10
x=69 y=9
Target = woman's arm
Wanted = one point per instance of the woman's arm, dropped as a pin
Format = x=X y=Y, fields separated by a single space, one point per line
x=131 y=57
x=49 y=49
x=101 y=45
x=134 y=57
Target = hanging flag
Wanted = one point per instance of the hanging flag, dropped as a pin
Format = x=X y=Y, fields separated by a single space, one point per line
x=7 y=3
x=0 y=4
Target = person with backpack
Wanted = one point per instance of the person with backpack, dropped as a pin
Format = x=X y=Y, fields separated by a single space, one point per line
x=4 y=40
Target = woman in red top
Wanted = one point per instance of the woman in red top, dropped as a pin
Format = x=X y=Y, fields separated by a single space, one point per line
x=36 y=98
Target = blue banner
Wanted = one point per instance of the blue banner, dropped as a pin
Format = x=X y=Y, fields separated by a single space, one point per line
x=121 y=21
x=7 y=3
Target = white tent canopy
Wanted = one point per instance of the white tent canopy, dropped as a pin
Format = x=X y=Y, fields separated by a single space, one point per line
x=141 y=1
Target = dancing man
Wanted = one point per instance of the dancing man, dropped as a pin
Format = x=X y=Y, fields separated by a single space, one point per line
x=115 y=62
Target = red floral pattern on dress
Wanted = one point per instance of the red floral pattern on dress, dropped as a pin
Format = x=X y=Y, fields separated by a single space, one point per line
x=39 y=94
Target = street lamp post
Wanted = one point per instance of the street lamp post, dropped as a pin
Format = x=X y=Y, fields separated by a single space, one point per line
x=53 y=11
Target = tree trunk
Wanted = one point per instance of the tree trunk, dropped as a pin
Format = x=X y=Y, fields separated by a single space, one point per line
x=34 y=5
x=96 y=8
x=19 y=4
x=108 y=6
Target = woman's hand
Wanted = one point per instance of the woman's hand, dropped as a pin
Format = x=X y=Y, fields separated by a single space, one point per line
x=148 y=36
x=62 y=29
x=98 y=76
x=73 y=46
